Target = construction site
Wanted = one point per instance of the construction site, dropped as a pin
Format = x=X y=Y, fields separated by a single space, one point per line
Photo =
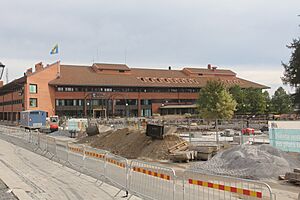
x=224 y=154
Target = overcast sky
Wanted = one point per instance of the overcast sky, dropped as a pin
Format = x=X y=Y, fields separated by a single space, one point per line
x=247 y=36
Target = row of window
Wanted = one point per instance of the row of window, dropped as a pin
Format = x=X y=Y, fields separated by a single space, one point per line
x=32 y=102
x=101 y=89
x=106 y=102
x=99 y=102
x=168 y=80
x=69 y=102
x=19 y=101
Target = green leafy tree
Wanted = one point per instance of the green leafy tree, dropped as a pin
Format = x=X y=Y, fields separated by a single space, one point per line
x=281 y=102
x=268 y=102
x=255 y=101
x=292 y=70
x=239 y=96
x=250 y=100
x=215 y=102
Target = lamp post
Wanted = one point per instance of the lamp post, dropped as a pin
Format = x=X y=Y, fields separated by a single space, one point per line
x=2 y=66
x=126 y=110
x=88 y=106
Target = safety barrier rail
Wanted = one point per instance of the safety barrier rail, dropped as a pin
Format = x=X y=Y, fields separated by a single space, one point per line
x=94 y=162
x=202 y=186
x=116 y=170
x=142 y=179
x=151 y=181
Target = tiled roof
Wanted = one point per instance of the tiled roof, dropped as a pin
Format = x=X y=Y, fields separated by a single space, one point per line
x=138 y=77
x=210 y=71
x=106 y=66
x=17 y=83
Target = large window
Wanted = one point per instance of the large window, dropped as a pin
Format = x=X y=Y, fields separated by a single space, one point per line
x=33 y=102
x=68 y=102
x=33 y=88
x=145 y=102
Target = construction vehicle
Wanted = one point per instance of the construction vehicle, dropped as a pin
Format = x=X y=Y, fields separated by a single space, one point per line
x=33 y=119
x=53 y=122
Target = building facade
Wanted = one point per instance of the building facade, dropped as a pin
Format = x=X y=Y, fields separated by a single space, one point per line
x=104 y=90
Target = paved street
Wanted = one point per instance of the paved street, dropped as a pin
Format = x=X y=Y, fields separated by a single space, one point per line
x=5 y=192
x=32 y=176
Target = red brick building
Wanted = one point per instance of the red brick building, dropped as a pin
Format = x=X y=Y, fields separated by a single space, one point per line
x=109 y=90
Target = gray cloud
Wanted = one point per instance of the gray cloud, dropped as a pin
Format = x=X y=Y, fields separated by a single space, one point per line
x=153 y=33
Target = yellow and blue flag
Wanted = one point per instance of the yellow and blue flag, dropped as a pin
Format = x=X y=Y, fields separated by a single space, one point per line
x=54 y=50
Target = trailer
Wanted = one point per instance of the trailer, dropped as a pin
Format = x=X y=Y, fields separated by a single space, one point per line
x=33 y=119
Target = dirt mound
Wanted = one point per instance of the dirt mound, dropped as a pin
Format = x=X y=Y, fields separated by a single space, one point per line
x=247 y=161
x=132 y=144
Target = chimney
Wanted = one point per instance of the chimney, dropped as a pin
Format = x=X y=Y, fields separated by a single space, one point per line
x=29 y=71
x=209 y=66
x=170 y=68
x=1 y=84
x=39 y=67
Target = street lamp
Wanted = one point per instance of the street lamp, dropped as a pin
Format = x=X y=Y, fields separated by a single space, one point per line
x=126 y=109
x=88 y=107
x=2 y=66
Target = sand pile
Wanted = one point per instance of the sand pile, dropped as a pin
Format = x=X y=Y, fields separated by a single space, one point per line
x=247 y=161
x=132 y=144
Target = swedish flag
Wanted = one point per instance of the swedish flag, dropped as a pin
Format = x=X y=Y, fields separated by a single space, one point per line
x=54 y=50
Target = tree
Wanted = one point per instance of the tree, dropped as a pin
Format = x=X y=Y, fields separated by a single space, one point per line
x=281 y=102
x=215 y=102
x=268 y=102
x=255 y=102
x=250 y=100
x=292 y=70
x=238 y=95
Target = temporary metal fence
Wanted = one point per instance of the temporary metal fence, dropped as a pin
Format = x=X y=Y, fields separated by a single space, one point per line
x=34 y=138
x=76 y=156
x=151 y=181
x=62 y=150
x=94 y=162
x=202 y=186
x=145 y=180
x=51 y=146
x=116 y=170
x=43 y=140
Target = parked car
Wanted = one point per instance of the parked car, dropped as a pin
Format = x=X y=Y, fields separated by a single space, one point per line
x=228 y=133
x=264 y=129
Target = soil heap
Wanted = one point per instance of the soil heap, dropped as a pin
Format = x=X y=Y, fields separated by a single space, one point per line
x=132 y=144
x=247 y=161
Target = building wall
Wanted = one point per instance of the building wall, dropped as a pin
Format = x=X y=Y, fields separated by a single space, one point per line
x=11 y=105
x=45 y=94
x=132 y=95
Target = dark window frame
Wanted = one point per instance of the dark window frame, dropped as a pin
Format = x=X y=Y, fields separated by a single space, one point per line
x=36 y=102
x=36 y=88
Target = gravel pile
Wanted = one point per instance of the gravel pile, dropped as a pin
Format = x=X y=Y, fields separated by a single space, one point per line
x=60 y=133
x=248 y=161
